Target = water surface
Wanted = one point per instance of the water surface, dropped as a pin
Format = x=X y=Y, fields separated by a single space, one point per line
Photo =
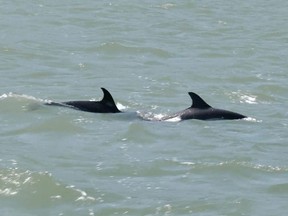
x=57 y=161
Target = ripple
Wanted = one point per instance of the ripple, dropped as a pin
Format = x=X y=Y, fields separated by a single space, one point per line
x=119 y=48
x=235 y=166
x=278 y=188
x=245 y=98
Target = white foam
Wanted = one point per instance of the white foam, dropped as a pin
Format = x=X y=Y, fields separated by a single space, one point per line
x=249 y=99
x=19 y=96
x=121 y=106
x=174 y=119
x=250 y=119
x=3 y=96
x=158 y=117
x=245 y=98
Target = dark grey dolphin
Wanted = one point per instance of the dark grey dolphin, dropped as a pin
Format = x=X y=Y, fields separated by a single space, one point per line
x=106 y=105
x=202 y=111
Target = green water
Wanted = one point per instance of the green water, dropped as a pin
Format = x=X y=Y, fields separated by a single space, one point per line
x=57 y=161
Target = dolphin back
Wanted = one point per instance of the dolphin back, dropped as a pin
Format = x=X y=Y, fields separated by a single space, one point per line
x=106 y=105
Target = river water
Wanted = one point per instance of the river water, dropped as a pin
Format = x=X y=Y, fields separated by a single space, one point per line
x=149 y=54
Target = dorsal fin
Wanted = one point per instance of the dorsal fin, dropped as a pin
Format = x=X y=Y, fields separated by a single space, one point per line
x=108 y=99
x=198 y=102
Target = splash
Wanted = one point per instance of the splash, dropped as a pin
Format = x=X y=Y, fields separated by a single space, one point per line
x=250 y=119
x=121 y=107
x=175 y=119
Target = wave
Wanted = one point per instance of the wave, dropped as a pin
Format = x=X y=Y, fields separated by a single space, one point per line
x=234 y=166
x=17 y=102
x=38 y=189
x=118 y=48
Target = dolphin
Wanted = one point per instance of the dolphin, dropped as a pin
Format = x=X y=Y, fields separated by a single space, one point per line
x=203 y=111
x=106 y=105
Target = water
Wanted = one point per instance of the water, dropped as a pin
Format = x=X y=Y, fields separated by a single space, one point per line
x=56 y=161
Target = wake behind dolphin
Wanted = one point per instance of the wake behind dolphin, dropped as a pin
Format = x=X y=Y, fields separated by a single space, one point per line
x=202 y=111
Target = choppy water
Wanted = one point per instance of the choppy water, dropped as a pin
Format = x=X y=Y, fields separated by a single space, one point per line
x=56 y=161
